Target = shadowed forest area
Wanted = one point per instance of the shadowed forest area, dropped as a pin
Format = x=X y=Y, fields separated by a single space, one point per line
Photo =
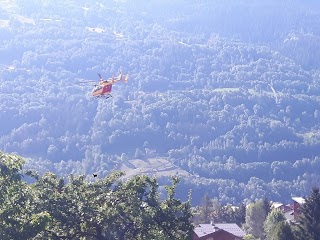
x=227 y=91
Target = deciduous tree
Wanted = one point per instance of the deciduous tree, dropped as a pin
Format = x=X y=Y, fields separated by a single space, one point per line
x=255 y=217
x=19 y=216
x=110 y=208
x=274 y=218
x=281 y=231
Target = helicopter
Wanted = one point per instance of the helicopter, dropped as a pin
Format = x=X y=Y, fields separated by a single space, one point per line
x=103 y=88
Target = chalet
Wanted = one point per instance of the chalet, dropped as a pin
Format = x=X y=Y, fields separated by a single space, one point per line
x=289 y=216
x=292 y=211
x=218 y=231
x=281 y=207
x=297 y=203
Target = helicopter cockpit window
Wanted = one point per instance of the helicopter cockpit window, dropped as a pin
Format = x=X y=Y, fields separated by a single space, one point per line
x=97 y=88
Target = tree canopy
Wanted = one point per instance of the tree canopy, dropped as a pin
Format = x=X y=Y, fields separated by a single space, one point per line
x=108 y=208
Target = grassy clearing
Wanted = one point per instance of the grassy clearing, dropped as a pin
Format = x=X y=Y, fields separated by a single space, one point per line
x=309 y=135
x=4 y=23
x=226 y=90
x=11 y=8
x=152 y=166
x=23 y=19
x=8 y=5
x=97 y=30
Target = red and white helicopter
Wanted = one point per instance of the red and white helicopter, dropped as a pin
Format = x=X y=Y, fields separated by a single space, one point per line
x=103 y=88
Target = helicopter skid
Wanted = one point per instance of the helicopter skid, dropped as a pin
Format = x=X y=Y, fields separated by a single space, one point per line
x=103 y=96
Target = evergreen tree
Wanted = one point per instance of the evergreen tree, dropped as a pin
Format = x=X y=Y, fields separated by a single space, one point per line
x=309 y=220
x=240 y=215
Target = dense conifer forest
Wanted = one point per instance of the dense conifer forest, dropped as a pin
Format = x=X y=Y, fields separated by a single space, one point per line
x=226 y=92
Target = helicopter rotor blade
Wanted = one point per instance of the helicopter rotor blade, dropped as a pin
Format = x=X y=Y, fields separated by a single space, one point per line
x=86 y=82
x=100 y=77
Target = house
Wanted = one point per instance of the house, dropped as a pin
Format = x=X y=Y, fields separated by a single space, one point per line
x=218 y=231
x=281 y=207
x=289 y=216
x=287 y=210
x=297 y=203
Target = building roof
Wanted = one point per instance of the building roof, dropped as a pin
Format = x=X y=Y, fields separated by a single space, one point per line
x=299 y=200
x=276 y=204
x=205 y=229
x=289 y=216
x=231 y=228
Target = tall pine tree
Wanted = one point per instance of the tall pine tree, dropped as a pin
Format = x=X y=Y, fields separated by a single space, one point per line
x=309 y=227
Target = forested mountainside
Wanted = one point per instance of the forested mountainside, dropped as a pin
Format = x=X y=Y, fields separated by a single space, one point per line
x=227 y=91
